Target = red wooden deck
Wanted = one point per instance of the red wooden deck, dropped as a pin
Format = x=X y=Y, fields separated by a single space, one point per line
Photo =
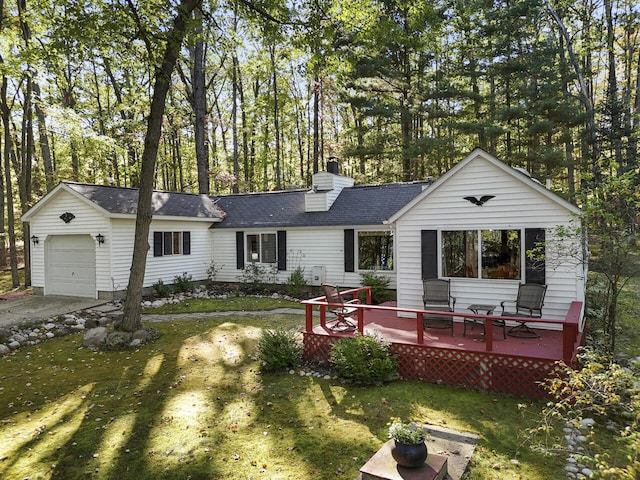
x=514 y=365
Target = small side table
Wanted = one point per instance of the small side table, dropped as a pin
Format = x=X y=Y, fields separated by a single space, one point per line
x=479 y=308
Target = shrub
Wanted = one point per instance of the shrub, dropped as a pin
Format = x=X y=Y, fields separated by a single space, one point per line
x=604 y=394
x=184 y=283
x=161 y=289
x=253 y=278
x=212 y=271
x=379 y=284
x=279 y=349
x=365 y=359
x=296 y=282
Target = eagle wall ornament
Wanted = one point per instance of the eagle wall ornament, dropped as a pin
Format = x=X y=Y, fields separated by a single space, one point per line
x=479 y=202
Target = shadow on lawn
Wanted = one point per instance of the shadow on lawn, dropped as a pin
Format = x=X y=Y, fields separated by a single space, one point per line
x=193 y=405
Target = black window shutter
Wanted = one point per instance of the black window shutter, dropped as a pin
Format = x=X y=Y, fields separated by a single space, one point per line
x=186 y=243
x=157 y=244
x=240 y=250
x=282 y=249
x=534 y=267
x=429 y=254
x=349 y=260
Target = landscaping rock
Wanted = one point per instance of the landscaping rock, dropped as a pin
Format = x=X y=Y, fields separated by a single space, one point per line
x=94 y=337
x=142 y=335
x=4 y=349
x=117 y=338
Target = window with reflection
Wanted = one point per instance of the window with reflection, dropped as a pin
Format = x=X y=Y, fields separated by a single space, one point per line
x=262 y=247
x=375 y=250
x=494 y=254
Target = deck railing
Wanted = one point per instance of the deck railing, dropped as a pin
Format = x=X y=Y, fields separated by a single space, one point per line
x=571 y=335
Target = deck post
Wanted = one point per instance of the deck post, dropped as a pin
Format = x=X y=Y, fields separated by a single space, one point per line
x=420 y=327
x=361 y=320
x=323 y=316
x=309 y=317
x=488 y=334
x=569 y=334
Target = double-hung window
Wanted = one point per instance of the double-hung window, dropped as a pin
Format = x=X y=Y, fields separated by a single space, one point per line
x=262 y=247
x=375 y=250
x=492 y=254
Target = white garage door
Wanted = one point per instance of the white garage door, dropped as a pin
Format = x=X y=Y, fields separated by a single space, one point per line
x=70 y=266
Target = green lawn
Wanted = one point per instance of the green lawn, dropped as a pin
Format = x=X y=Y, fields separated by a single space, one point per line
x=195 y=405
x=6 y=282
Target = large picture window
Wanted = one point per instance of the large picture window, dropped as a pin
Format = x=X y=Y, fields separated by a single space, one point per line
x=375 y=250
x=262 y=247
x=495 y=254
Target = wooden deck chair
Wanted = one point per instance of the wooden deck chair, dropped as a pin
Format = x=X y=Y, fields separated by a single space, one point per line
x=528 y=304
x=340 y=308
x=437 y=296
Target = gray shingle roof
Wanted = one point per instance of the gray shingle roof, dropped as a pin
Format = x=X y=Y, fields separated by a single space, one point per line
x=121 y=200
x=357 y=205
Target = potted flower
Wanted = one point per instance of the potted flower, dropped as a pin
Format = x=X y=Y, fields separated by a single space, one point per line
x=408 y=449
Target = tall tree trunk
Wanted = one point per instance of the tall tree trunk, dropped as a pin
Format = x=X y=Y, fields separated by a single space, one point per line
x=234 y=121
x=316 y=123
x=276 y=114
x=43 y=135
x=200 y=109
x=8 y=146
x=131 y=320
x=585 y=94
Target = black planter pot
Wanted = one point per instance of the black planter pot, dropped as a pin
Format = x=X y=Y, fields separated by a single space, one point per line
x=409 y=455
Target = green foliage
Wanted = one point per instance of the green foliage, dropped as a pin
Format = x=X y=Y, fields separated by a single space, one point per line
x=364 y=359
x=379 y=284
x=255 y=277
x=161 y=289
x=279 y=349
x=184 y=283
x=212 y=271
x=610 y=210
x=605 y=392
x=296 y=282
x=406 y=432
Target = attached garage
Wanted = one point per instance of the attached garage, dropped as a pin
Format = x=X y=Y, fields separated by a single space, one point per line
x=82 y=239
x=70 y=265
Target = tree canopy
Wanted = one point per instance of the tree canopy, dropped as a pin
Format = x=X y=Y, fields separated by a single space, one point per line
x=265 y=92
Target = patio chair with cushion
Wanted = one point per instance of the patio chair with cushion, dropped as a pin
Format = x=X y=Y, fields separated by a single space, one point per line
x=528 y=304
x=339 y=307
x=437 y=297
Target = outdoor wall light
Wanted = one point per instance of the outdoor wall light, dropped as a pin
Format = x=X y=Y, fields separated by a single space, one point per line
x=100 y=238
x=254 y=257
x=35 y=240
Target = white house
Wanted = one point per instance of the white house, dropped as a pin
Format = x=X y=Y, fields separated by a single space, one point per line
x=482 y=246
x=334 y=231
x=82 y=239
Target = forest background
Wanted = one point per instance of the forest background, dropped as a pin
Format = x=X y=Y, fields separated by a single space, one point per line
x=265 y=92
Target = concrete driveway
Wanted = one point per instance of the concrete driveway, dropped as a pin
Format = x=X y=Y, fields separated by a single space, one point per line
x=36 y=307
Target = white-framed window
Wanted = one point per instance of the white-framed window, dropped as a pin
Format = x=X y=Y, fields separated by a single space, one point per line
x=482 y=253
x=171 y=243
x=375 y=250
x=262 y=247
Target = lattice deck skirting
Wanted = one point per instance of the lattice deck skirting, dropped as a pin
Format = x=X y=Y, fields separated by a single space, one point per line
x=480 y=370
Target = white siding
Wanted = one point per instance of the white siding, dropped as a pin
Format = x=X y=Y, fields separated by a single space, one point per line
x=515 y=206
x=306 y=247
x=164 y=268
x=47 y=222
